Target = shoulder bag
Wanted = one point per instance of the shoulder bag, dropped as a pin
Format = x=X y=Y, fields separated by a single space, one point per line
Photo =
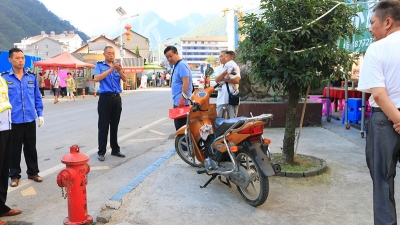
x=233 y=99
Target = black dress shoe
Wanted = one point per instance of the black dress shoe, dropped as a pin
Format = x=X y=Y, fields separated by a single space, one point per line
x=118 y=154
x=101 y=157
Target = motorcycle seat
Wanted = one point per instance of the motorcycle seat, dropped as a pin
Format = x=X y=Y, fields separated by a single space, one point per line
x=221 y=125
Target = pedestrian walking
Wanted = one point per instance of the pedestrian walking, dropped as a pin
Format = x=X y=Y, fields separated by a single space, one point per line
x=380 y=76
x=27 y=105
x=168 y=78
x=41 y=84
x=153 y=80
x=55 y=85
x=63 y=85
x=70 y=87
x=109 y=73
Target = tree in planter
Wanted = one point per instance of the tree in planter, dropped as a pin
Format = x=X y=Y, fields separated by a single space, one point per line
x=292 y=45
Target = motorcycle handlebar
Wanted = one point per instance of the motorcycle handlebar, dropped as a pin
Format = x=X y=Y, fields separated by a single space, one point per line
x=217 y=85
x=196 y=107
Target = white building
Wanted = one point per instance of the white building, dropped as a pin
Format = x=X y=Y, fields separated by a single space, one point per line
x=38 y=46
x=195 y=50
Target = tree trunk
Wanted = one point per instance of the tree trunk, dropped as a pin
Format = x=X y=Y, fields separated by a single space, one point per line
x=290 y=128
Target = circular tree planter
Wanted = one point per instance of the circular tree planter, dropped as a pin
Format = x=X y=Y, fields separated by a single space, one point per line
x=320 y=167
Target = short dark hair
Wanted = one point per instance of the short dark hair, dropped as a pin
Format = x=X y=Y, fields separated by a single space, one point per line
x=69 y=73
x=231 y=53
x=107 y=47
x=170 y=47
x=388 y=8
x=223 y=51
x=11 y=52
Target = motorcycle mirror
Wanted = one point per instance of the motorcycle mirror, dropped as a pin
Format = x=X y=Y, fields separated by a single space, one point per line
x=209 y=71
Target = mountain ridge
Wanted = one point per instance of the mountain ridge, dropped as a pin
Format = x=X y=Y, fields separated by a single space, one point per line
x=18 y=23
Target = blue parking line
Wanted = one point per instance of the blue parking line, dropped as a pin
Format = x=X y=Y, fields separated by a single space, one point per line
x=139 y=178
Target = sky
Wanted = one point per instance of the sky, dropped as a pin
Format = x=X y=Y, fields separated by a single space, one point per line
x=91 y=15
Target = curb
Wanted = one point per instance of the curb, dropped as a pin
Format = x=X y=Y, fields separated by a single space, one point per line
x=321 y=168
x=109 y=210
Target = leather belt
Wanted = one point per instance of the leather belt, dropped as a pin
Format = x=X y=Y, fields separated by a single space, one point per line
x=111 y=95
x=377 y=109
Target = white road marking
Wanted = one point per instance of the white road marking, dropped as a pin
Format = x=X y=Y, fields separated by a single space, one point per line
x=145 y=139
x=58 y=167
x=99 y=168
x=157 y=132
x=29 y=191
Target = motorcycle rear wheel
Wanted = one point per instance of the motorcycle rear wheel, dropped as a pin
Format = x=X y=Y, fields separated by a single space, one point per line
x=257 y=192
x=181 y=148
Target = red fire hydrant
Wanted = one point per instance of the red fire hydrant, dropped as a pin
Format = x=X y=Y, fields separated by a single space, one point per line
x=74 y=180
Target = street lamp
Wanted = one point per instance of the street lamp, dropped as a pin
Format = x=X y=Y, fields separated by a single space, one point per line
x=122 y=13
x=159 y=48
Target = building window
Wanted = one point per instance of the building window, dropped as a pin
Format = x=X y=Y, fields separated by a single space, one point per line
x=47 y=54
x=202 y=42
x=183 y=42
x=47 y=46
x=195 y=42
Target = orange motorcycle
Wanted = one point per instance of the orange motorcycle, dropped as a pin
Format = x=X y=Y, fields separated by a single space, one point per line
x=232 y=148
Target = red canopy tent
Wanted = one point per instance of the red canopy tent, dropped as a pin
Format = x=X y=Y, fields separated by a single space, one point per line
x=63 y=60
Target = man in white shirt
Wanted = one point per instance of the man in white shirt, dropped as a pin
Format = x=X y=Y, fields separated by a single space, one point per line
x=380 y=75
x=222 y=78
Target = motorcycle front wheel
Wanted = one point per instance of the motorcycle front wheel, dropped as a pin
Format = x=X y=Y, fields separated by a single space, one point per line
x=256 y=192
x=181 y=147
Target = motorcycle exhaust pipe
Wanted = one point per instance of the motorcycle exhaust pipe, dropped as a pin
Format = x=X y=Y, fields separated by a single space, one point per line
x=277 y=168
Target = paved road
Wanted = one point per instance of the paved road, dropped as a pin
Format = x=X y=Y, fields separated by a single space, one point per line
x=144 y=129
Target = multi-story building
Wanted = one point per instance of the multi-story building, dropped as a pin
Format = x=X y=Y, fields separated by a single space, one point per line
x=136 y=41
x=195 y=50
x=49 y=45
x=133 y=64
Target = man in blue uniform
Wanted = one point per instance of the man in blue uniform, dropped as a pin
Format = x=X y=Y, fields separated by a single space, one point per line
x=26 y=101
x=109 y=108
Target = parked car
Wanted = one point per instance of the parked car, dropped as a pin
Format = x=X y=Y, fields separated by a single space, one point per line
x=197 y=79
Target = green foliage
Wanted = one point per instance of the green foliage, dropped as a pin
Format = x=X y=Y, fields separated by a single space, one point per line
x=26 y=18
x=291 y=45
x=210 y=60
x=282 y=57
x=137 y=50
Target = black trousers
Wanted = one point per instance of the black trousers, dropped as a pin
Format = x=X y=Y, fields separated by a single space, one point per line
x=5 y=148
x=63 y=91
x=23 y=134
x=109 y=109
x=41 y=91
x=179 y=122
x=382 y=151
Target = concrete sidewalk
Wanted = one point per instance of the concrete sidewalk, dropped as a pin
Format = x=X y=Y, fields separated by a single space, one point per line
x=170 y=194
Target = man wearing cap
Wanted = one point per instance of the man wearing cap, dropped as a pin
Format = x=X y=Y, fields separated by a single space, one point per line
x=27 y=105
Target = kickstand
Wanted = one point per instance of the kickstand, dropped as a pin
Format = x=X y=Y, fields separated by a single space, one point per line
x=227 y=183
x=209 y=181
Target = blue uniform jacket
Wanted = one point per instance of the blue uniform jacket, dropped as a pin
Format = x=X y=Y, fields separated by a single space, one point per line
x=24 y=96
x=110 y=84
